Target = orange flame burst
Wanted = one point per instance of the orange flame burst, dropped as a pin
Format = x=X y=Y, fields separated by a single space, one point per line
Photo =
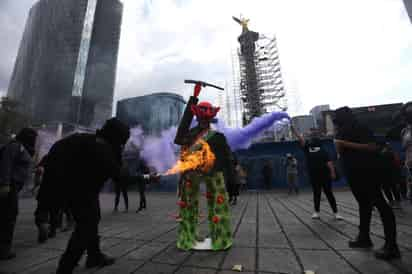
x=196 y=157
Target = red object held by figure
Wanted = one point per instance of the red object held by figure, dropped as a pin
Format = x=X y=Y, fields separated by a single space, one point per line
x=198 y=88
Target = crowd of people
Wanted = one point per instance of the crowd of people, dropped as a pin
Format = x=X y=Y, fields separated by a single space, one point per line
x=71 y=175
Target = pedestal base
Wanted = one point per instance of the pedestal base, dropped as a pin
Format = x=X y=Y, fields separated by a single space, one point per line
x=206 y=244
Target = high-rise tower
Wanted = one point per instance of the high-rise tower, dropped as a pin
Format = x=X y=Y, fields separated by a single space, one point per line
x=66 y=64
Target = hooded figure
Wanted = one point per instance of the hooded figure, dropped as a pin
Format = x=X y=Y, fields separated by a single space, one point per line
x=221 y=171
x=15 y=169
x=75 y=170
x=361 y=162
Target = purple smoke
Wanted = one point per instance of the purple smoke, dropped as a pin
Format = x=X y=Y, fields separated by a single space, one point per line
x=158 y=152
x=241 y=138
x=161 y=153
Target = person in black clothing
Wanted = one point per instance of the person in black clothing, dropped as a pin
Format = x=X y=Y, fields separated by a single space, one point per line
x=120 y=187
x=233 y=188
x=15 y=167
x=47 y=222
x=321 y=172
x=361 y=161
x=75 y=171
x=141 y=185
x=267 y=172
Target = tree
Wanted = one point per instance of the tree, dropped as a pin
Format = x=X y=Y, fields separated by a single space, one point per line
x=11 y=119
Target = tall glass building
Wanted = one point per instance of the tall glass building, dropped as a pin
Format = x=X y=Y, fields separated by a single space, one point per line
x=154 y=113
x=66 y=64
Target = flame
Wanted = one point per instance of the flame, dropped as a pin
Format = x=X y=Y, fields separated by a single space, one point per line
x=196 y=157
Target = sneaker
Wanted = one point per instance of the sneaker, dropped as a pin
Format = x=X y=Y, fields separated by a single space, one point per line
x=359 y=243
x=315 y=215
x=101 y=260
x=7 y=256
x=387 y=253
x=338 y=217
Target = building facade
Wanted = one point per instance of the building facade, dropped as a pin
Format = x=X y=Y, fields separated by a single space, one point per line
x=66 y=64
x=304 y=124
x=378 y=118
x=408 y=6
x=154 y=113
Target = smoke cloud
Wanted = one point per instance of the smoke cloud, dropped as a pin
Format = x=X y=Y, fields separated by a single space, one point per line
x=161 y=152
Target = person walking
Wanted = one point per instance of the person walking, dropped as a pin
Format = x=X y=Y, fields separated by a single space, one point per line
x=267 y=172
x=292 y=173
x=321 y=172
x=15 y=168
x=120 y=187
x=359 y=152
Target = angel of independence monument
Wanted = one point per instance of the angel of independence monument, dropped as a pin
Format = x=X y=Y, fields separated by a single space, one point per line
x=261 y=86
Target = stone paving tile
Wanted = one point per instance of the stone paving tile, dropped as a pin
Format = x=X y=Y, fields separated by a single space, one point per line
x=26 y=259
x=155 y=268
x=145 y=242
x=366 y=262
x=195 y=270
x=121 y=266
x=276 y=260
x=324 y=262
x=147 y=251
x=205 y=259
x=243 y=256
x=172 y=255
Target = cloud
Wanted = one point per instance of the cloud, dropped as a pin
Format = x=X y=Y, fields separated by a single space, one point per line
x=337 y=52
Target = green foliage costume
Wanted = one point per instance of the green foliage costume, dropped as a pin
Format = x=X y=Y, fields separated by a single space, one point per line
x=217 y=197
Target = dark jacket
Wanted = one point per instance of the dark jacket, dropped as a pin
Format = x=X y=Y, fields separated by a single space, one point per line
x=15 y=165
x=77 y=167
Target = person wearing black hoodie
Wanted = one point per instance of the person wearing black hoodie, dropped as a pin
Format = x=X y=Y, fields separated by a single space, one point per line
x=15 y=168
x=358 y=149
x=76 y=169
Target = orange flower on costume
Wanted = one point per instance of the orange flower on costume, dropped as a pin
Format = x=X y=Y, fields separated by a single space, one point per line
x=220 y=199
x=215 y=219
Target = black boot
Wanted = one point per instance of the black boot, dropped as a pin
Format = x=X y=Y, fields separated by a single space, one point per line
x=361 y=242
x=388 y=253
x=99 y=260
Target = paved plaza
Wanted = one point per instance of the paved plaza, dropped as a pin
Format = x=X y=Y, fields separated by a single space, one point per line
x=273 y=233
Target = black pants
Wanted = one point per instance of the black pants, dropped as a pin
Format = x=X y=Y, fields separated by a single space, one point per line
x=142 y=189
x=391 y=190
x=8 y=216
x=317 y=185
x=47 y=212
x=121 y=188
x=366 y=187
x=85 y=236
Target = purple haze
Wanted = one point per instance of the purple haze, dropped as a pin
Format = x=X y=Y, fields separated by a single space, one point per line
x=241 y=138
x=161 y=152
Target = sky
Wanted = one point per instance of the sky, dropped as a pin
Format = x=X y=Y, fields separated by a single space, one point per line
x=352 y=52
